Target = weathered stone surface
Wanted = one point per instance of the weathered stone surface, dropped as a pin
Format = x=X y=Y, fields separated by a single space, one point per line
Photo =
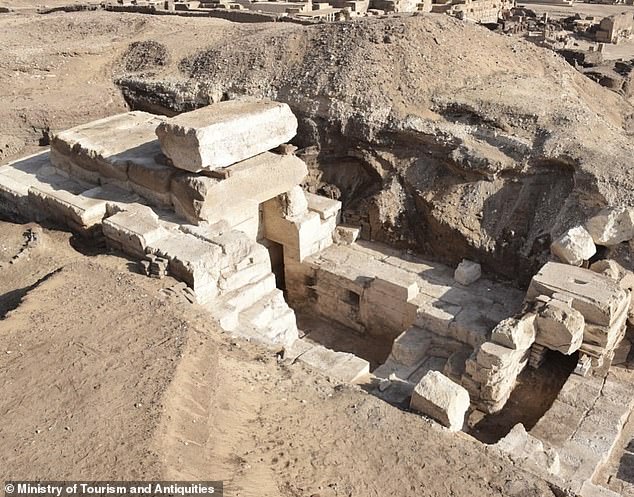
x=612 y=226
x=559 y=327
x=345 y=235
x=467 y=272
x=515 y=333
x=574 y=246
x=225 y=133
x=81 y=211
x=294 y=202
x=250 y=183
x=441 y=399
x=597 y=297
x=528 y=451
x=341 y=365
x=491 y=355
x=191 y=260
x=323 y=206
x=133 y=230
x=607 y=267
x=410 y=347
x=107 y=146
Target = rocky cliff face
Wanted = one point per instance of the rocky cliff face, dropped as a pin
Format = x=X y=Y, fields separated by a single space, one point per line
x=438 y=136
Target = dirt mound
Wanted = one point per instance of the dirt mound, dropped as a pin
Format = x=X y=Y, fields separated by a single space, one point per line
x=144 y=55
x=441 y=136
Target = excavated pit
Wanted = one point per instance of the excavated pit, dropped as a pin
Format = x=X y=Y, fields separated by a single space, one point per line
x=534 y=394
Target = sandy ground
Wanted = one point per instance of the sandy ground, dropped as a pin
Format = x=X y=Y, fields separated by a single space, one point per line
x=104 y=375
x=109 y=377
x=56 y=69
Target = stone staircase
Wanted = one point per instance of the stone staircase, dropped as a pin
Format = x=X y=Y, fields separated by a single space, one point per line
x=229 y=272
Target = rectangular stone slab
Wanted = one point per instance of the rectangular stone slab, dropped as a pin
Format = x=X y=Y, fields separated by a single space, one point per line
x=251 y=182
x=594 y=295
x=225 y=133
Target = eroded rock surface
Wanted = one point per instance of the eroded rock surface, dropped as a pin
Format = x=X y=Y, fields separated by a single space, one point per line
x=488 y=156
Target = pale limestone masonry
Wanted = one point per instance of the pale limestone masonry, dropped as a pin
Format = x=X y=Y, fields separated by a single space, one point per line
x=467 y=272
x=528 y=451
x=341 y=366
x=612 y=226
x=454 y=346
x=123 y=151
x=603 y=304
x=438 y=397
x=559 y=326
x=223 y=134
x=574 y=246
x=492 y=370
x=371 y=288
x=584 y=425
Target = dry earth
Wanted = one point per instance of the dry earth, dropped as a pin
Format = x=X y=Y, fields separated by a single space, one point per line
x=108 y=377
x=102 y=375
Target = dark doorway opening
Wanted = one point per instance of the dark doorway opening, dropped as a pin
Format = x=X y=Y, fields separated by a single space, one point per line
x=276 y=253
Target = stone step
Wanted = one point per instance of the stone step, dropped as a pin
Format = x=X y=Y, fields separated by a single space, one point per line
x=269 y=321
x=247 y=296
x=342 y=366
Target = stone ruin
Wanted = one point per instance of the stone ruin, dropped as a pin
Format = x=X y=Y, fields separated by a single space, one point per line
x=213 y=197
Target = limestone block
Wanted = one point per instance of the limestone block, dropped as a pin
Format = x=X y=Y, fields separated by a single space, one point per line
x=612 y=226
x=325 y=207
x=609 y=268
x=574 y=246
x=346 y=235
x=246 y=296
x=528 y=451
x=80 y=210
x=515 y=333
x=397 y=288
x=436 y=316
x=294 y=202
x=108 y=146
x=340 y=365
x=225 y=133
x=559 y=327
x=191 y=260
x=410 y=347
x=471 y=326
x=133 y=230
x=250 y=183
x=597 y=297
x=232 y=279
x=441 y=399
x=270 y=321
x=493 y=356
x=467 y=272
x=152 y=182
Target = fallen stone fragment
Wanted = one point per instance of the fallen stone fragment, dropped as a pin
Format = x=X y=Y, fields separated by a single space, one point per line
x=225 y=133
x=441 y=399
x=467 y=272
x=612 y=226
x=294 y=202
x=346 y=235
x=528 y=451
x=574 y=246
x=515 y=333
x=559 y=327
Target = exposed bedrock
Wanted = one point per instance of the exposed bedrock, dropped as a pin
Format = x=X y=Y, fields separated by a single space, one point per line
x=437 y=136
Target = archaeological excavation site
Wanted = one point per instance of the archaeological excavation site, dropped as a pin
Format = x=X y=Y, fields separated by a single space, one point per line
x=341 y=249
